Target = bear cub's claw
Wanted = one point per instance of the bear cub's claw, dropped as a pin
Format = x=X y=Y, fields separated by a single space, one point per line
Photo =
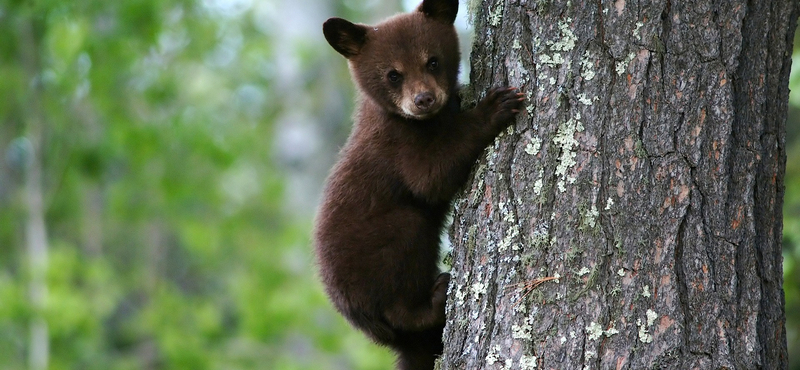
x=502 y=104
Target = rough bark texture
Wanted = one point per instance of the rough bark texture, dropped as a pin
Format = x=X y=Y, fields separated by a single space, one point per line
x=646 y=175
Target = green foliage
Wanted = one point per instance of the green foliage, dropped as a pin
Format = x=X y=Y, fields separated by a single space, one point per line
x=172 y=243
x=791 y=214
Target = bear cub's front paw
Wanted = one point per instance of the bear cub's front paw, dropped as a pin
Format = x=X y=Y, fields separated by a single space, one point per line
x=500 y=105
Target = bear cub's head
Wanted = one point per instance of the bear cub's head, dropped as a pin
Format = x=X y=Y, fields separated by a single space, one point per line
x=407 y=64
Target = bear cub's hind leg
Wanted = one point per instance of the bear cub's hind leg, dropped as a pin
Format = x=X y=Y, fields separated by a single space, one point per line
x=424 y=316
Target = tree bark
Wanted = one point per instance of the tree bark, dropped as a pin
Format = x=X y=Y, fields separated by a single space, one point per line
x=632 y=217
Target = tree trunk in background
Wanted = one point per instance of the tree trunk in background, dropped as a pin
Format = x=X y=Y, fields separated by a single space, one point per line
x=35 y=230
x=642 y=186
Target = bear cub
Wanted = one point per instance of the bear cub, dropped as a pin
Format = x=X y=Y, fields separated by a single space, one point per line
x=384 y=205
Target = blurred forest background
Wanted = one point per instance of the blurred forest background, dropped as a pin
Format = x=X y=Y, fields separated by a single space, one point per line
x=160 y=163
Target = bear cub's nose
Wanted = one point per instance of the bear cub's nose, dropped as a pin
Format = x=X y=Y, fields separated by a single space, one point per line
x=424 y=100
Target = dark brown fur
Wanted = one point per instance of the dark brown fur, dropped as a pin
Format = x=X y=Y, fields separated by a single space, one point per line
x=385 y=202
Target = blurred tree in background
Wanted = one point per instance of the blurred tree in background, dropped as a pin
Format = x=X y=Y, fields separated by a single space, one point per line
x=791 y=214
x=177 y=148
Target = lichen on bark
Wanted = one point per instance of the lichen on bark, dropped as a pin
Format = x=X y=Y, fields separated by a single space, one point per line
x=646 y=173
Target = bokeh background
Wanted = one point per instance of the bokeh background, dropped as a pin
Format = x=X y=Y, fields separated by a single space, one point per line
x=181 y=147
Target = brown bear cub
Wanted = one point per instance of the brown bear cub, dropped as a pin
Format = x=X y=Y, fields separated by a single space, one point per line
x=379 y=224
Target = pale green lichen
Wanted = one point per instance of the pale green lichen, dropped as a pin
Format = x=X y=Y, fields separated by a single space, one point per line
x=552 y=61
x=608 y=333
x=478 y=288
x=527 y=362
x=590 y=217
x=529 y=98
x=516 y=45
x=567 y=40
x=622 y=65
x=530 y=149
x=565 y=43
x=584 y=99
x=537 y=41
x=513 y=230
x=491 y=152
x=587 y=67
x=651 y=317
x=460 y=291
x=491 y=357
x=522 y=331
x=609 y=203
x=496 y=15
x=594 y=330
x=583 y=271
x=646 y=291
x=644 y=335
x=460 y=295
x=541 y=76
x=539 y=184
x=507 y=241
x=539 y=237
x=565 y=140
x=533 y=146
x=621 y=272
x=636 y=30
x=616 y=289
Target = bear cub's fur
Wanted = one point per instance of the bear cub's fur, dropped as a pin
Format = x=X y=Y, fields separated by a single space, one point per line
x=411 y=149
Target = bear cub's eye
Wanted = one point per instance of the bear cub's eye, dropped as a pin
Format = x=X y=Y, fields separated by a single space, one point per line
x=394 y=76
x=433 y=64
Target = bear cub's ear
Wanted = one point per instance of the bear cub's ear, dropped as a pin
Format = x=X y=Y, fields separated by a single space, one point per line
x=441 y=10
x=345 y=37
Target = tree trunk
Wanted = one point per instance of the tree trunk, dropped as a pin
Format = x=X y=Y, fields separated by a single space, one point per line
x=35 y=230
x=632 y=217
